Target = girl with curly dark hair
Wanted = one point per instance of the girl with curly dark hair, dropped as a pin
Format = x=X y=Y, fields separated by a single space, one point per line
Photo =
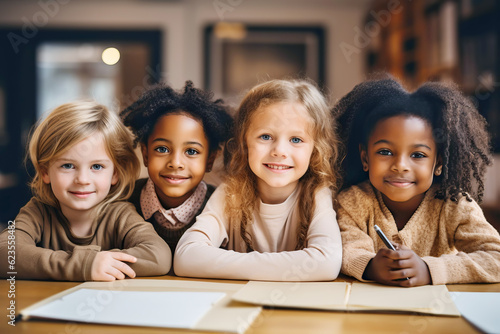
x=180 y=133
x=414 y=164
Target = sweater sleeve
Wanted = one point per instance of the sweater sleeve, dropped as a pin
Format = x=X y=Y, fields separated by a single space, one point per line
x=352 y=208
x=138 y=238
x=198 y=253
x=477 y=259
x=33 y=262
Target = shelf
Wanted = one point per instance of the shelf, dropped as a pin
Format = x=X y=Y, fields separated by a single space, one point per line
x=426 y=49
x=471 y=9
x=442 y=45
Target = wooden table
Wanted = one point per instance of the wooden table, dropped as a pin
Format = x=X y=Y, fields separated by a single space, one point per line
x=275 y=321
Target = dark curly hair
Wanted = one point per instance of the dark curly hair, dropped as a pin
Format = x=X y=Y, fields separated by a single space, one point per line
x=160 y=100
x=459 y=131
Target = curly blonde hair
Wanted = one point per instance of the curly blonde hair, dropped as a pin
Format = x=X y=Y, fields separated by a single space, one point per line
x=241 y=183
x=71 y=123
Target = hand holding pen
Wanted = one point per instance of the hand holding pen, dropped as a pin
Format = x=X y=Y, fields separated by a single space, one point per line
x=386 y=242
x=396 y=265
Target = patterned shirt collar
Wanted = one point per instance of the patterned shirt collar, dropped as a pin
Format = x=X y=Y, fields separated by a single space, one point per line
x=182 y=214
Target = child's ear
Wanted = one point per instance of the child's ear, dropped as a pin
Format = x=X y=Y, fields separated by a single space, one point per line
x=144 y=151
x=210 y=161
x=364 y=157
x=114 y=179
x=439 y=166
x=45 y=176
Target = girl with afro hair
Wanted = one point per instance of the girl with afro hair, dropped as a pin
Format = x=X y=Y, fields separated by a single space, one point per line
x=414 y=165
x=180 y=133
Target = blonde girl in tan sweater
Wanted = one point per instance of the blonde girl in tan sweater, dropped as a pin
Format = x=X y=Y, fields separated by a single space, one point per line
x=77 y=226
x=414 y=165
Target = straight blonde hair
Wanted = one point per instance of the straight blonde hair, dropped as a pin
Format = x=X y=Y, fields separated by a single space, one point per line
x=242 y=196
x=68 y=125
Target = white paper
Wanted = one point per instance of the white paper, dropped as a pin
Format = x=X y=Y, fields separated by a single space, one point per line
x=482 y=309
x=137 y=308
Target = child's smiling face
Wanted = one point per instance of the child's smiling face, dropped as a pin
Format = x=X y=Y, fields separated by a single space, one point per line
x=280 y=145
x=82 y=177
x=177 y=156
x=401 y=157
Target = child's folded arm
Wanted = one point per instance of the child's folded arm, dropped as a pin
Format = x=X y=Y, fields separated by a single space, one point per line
x=32 y=262
x=138 y=238
x=478 y=248
x=198 y=255
x=476 y=267
x=358 y=247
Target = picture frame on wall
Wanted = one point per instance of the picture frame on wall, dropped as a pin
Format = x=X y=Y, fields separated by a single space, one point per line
x=239 y=56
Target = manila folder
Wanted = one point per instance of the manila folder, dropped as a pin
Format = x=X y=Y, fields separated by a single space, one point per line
x=344 y=296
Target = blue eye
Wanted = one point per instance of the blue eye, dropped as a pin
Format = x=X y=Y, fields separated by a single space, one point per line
x=162 y=149
x=191 y=151
x=265 y=137
x=296 y=140
x=384 y=152
x=97 y=167
x=67 y=166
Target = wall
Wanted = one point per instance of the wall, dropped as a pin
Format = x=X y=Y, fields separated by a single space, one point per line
x=183 y=23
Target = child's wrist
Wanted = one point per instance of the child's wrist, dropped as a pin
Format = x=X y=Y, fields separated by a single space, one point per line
x=367 y=274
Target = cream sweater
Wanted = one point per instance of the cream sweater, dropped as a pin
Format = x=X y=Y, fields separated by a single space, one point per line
x=212 y=248
x=454 y=239
x=45 y=247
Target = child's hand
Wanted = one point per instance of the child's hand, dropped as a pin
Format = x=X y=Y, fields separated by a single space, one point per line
x=109 y=266
x=394 y=267
x=409 y=264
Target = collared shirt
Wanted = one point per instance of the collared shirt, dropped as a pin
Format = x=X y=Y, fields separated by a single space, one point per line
x=181 y=215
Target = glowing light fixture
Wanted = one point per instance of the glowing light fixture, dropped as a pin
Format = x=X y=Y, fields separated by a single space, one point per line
x=230 y=30
x=110 y=56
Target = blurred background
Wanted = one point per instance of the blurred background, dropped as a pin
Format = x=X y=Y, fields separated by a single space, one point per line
x=55 y=51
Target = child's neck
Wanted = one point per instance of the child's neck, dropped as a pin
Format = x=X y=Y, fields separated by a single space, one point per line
x=81 y=230
x=403 y=211
x=275 y=195
x=173 y=202
x=401 y=219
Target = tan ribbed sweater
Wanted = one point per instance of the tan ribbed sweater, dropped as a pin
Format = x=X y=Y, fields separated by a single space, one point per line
x=454 y=239
x=46 y=249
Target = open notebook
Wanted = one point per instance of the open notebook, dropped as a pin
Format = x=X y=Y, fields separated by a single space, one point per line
x=154 y=303
x=343 y=296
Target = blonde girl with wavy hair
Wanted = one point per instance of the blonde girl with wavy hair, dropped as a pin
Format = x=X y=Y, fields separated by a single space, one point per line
x=272 y=218
x=78 y=226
